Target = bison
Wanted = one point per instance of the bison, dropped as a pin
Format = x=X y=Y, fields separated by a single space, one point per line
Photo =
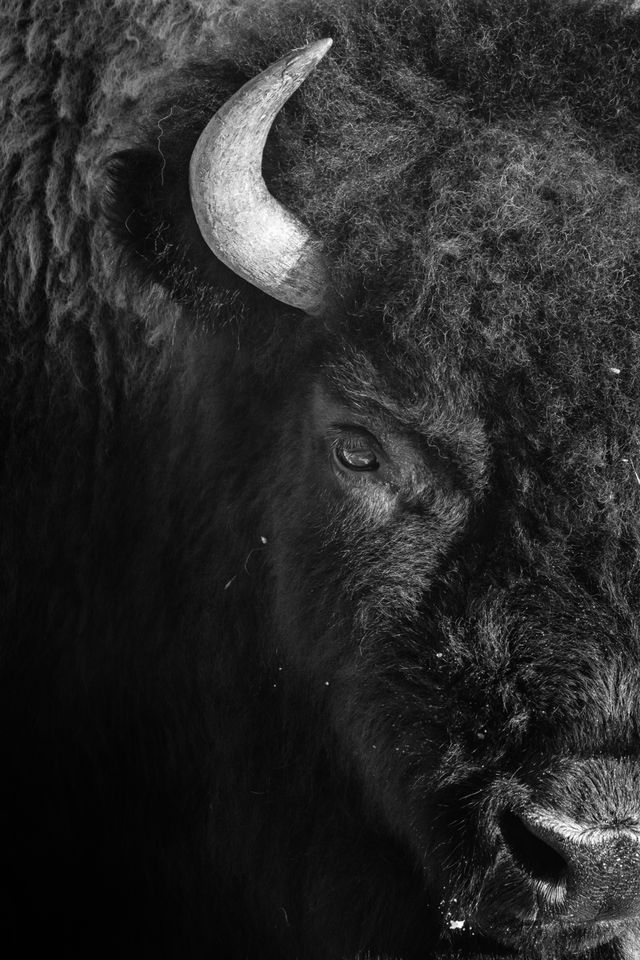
x=320 y=496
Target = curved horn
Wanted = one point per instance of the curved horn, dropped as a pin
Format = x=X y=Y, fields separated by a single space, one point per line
x=243 y=224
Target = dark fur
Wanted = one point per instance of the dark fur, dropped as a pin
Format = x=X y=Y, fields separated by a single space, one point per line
x=248 y=711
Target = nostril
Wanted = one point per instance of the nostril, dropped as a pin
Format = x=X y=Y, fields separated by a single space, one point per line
x=531 y=852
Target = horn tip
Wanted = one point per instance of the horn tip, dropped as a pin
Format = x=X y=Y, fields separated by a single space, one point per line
x=307 y=58
x=322 y=46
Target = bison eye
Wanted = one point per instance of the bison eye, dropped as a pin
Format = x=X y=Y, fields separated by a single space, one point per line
x=356 y=453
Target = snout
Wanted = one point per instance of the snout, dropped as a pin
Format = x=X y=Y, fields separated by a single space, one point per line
x=554 y=858
x=564 y=871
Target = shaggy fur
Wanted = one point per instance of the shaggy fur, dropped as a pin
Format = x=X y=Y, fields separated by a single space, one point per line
x=254 y=705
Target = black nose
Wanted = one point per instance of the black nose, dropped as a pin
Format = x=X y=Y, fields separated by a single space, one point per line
x=578 y=872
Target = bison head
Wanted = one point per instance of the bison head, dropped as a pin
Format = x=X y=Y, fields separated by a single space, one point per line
x=352 y=658
x=437 y=584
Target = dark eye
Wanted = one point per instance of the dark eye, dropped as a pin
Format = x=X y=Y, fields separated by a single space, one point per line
x=356 y=453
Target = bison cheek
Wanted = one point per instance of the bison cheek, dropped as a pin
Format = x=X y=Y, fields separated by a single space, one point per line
x=348 y=590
